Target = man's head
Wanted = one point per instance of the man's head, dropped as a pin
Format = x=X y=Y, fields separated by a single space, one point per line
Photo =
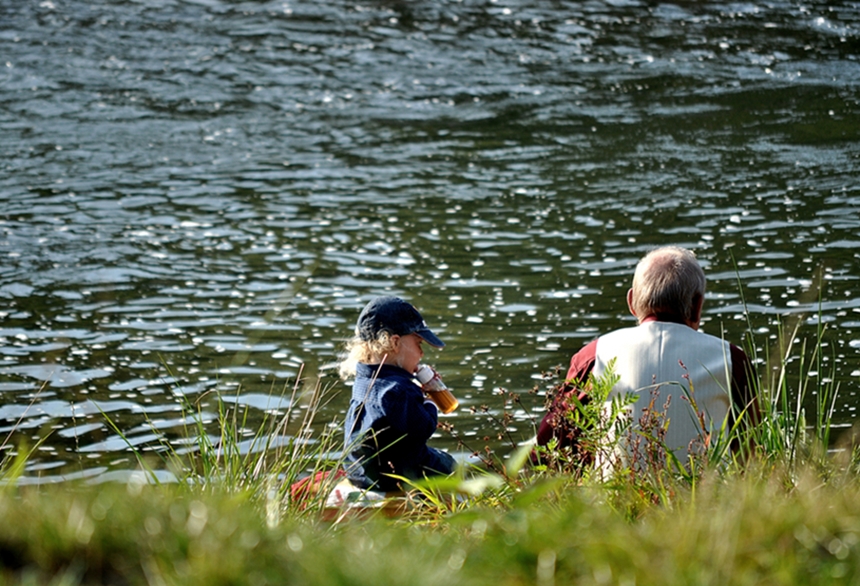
x=668 y=284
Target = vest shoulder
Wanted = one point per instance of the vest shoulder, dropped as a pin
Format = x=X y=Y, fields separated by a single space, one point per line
x=651 y=331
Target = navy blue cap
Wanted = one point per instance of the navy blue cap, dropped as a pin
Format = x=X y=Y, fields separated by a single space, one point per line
x=395 y=316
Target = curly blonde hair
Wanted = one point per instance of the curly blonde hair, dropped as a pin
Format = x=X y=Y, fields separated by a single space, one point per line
x=366 y=352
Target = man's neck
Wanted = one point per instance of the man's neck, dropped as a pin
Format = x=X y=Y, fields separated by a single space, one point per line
x=665 y=317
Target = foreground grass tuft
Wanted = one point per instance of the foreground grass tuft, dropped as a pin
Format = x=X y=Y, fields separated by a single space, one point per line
x=746 y=530
x=784 y=509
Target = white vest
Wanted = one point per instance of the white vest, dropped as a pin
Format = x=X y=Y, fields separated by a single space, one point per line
x=650 y=356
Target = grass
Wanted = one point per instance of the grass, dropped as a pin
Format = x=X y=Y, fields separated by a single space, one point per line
x=261 y=460
x=786 y=512
x=741 y=530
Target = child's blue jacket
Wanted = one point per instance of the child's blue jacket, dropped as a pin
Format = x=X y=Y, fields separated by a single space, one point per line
x=387 y=427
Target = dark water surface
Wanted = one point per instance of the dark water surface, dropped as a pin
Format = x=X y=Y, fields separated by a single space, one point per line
x=201 y=195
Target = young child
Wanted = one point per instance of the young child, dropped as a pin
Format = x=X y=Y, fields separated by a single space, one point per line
x=389 y=419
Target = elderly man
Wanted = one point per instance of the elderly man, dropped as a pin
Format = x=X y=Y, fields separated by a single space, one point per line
x=664 y=357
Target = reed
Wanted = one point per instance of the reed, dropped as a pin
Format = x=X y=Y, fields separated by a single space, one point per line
x=13 y=458
x=231 y=455
x=792 y=433
x=798 y=392
x=740 y=529
x=782 y=510
x=228 y=520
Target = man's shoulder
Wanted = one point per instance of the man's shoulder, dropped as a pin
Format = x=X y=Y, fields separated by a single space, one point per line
x=652 y=331
x=622 y=331
x=621 y=335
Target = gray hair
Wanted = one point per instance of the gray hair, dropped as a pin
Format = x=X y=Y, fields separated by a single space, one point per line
x=668 y=282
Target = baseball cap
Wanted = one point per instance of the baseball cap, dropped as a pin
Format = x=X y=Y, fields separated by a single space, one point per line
x=395 y=316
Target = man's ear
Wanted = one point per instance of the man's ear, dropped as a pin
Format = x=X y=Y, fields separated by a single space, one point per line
x=630 y=302
x=698 y=303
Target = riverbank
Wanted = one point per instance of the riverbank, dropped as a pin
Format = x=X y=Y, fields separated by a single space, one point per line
x=751 y=529
x=784 y=513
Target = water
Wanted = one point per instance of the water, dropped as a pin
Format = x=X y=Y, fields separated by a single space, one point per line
x=201 y=195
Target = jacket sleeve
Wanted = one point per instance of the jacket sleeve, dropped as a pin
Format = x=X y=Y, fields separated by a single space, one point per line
x=409 y=415
x=581 y=365
x=744 y=397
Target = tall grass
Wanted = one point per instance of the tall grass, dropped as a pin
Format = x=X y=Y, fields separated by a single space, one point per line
x=742 y=529
x=263 y=459
x=783 y=511
x=793 y=378
x=14 y=462
x=789 y=435
x=267 y=459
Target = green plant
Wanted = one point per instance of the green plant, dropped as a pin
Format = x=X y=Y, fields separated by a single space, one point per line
x=13 y=462
x=792 y=377
x=229 y=453
x=590 y=419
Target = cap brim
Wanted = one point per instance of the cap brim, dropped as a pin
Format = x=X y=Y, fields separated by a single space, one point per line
x=429 y=337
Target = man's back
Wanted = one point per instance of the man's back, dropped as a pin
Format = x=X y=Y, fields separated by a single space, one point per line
x=699 y=382
x=677 y=363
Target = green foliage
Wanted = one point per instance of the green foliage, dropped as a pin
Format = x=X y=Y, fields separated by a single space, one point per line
x=764 y=503
x=748 y=529
x=789 y=434
x=262 y=461
x=594 y=418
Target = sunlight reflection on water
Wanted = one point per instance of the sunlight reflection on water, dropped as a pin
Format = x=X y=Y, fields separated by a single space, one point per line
x=201 y=197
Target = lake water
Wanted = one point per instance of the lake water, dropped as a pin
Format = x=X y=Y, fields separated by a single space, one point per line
x=200 y=196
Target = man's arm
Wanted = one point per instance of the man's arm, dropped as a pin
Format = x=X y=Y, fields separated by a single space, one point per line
x=745 y=399
x=581 y=365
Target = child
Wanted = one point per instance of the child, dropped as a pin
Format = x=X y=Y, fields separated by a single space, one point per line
x=389 y=419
